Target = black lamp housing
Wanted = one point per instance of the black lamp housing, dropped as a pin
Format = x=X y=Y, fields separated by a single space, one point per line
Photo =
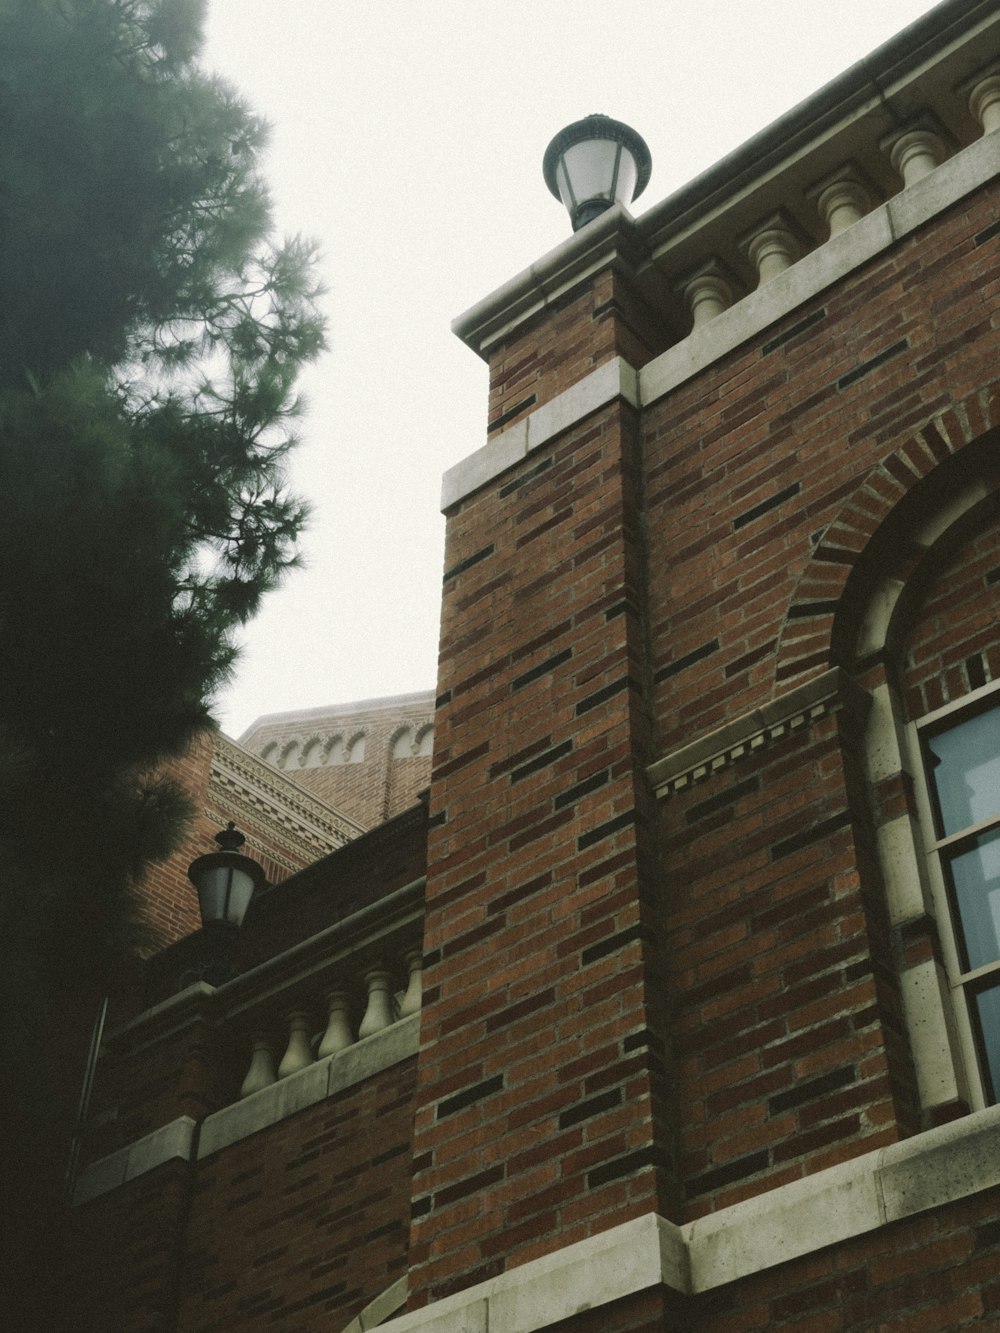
x=594 y=163
x=226 y=880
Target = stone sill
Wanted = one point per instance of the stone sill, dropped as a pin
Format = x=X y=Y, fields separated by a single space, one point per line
x=180 y=1140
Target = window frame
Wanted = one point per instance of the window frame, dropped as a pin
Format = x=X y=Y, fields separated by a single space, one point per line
x=963 y=983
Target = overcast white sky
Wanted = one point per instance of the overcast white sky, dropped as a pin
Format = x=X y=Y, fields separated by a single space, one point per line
x=408 y=139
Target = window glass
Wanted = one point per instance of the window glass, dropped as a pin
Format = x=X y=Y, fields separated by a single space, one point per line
x=975 y=878
x=988 y=1014
x=965 y=764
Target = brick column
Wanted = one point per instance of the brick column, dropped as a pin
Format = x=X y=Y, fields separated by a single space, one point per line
x=540 y=1113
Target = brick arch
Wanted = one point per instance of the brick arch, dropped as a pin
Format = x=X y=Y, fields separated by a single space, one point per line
x=808 y=641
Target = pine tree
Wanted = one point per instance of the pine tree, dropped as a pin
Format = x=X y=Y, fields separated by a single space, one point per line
x=151 y=333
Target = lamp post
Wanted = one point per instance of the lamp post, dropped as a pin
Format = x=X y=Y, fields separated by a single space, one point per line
x=594 y=163
x=226 y=881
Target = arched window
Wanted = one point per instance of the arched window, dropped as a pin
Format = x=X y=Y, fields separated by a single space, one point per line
x=356 y=749
x=425 y=740
x=312 y=753
x=402 y=744
x=928 y=650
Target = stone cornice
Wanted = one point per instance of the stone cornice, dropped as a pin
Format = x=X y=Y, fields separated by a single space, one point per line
x=298 y=721
x=610 y=241
x=248 y=786
x=746 y=735
x=924 y=68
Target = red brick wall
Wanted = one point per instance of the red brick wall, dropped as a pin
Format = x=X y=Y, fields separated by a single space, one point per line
x=789 y=1041
x=300 y=1227
x=573 y=336
x=954 y=643
x=124 y=1255
x=170 y=897
x=374 y=790
x=748 y=462
x=562 y=615
x=537 y=1104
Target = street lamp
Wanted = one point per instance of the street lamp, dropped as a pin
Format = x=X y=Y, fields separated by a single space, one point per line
x=594 y=163
x=226 y=880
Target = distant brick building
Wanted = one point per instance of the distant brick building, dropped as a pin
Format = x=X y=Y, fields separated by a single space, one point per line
x=703 y=904
x=368 y=760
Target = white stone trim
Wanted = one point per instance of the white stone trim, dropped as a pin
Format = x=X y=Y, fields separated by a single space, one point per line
x=840 y=256
x=247 y=785
x=829 y=1207
x=377 y=1311
x=171 y=1141
x=319 y=1081
x=753 y=731
x=930 y=1023
x=728 y=330
x=615 y=379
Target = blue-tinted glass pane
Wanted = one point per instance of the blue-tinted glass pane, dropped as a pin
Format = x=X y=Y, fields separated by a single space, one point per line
x=965 y=763
x=988 y=1013
x=975 y=877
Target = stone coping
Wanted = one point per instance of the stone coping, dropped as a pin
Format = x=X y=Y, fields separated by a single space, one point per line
x=837 y=258
x=316 y=1083
x=184 y=1140
x=887 y=1185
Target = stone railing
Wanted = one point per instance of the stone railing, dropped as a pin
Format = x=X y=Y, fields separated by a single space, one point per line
x=825 y=207
x=289 y=1033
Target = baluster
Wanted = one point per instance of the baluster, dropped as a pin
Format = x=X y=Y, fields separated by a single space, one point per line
x=410 y=1002
x=298 y=1054
x=915 y=154
x=772 y=247
x=338 y=1035
x=707 y=292
x=984 y=100
x=379 y=1013
x=841 y=199
x=262 y=1072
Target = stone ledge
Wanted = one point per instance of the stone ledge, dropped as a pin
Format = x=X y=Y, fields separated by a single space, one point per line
x=315 y=1084
x=615 y=379
x=804 y=704
x=172 y=1141
x=887 y=1185
x=376 y=1312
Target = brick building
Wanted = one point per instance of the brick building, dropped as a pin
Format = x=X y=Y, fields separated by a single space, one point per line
x=703 y=897
x=368 y=760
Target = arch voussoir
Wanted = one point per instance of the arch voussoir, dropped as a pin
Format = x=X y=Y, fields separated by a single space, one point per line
x=806 y=641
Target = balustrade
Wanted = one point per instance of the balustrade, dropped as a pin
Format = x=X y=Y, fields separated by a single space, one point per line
x=984 y=99
x=840 y=200
x=321 y=1029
